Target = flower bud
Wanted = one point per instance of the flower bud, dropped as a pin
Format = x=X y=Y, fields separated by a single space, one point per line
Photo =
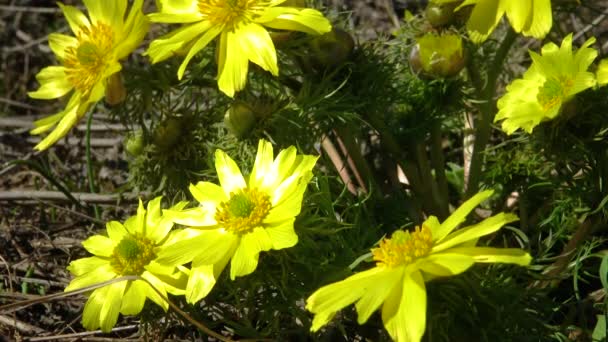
x=115 y=90
x=440 y=14
x=332 y=48
x=134 y=143
x=240 y=119
x=437 y=56
x=167 y=133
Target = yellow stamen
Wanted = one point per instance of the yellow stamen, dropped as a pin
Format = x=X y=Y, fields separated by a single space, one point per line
x=554 y=92
x=131 y=255
x=244 y=210
x=231 y=13
x=403 y=247
x=86 y=61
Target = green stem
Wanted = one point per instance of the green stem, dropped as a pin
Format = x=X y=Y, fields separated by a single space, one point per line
x=438 y=162
x=409 y=168
x=484 y=120
x=426 y=174
x=89 y=162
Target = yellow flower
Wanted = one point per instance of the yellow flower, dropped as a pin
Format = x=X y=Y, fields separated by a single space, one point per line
x=403 y=264
x=129 y=249
x=602 y=73
x=441 y=55
x=530 y=17
x=88 y=60
x=241 y=27
x=241 y=218
x=553 y=78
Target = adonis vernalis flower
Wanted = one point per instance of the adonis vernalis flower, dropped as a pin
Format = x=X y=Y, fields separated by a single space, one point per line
x=90 y=60
x=531 y=17
x=554 y=77
x=403 y=264
x=241 y=218
x=128 y=250
x=438 y=55
x=602 y=73
x=241 y=26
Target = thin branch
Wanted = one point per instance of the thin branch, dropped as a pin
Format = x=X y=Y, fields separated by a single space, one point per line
x=58 y=196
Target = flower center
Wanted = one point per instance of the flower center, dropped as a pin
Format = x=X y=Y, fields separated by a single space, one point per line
x=131 y=255
x=553 y=92
x=231 y=13
x=86 y=61
x=403 y=247
x=244 y=210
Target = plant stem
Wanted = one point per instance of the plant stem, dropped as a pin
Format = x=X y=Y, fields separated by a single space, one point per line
x=360 y=165
x=409 y=168
x=89 y=162
x=484 y=120
x=438 y=162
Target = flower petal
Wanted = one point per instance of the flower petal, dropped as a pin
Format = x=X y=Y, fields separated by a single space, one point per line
x=329 y=299
x=295 y=19
x=602 y=73
x=374 y=296
x=69 y=117
x=541 y=19
x=92 y=308
x=492 y=255
x=194 y=217
x=205 y=192
x=175 y=18
x=183 y=251
x=519 y=13
x=258 y=47
x=59 y=43
x=484 y=18
x=76 y=19
x=404 y=311
x=283 y=234
x=459 y=215
x=99 y=245
x=153 y=214
x=203 y=41
x=109 y=12
x=134 y=298
x=263 y=162
x=168 y=45
x=157 y=298
x=116 y=231
x=53 y=83
x=103 y=273
x=111 y=305
x=137 y=224
x=245 y=258
x=233 y=64
x=217 y=245
x=445 y=264
x=177 y=6
x=135 y=29
x=485 y=227
x=228 y=173
x=85 y=265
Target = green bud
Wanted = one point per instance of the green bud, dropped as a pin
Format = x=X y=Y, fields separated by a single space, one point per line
x=440 y=14
x=115 y=90
x=167 y=133
x=332 y=48
x=437 y=55
x=240 y=119
x=134 y=143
